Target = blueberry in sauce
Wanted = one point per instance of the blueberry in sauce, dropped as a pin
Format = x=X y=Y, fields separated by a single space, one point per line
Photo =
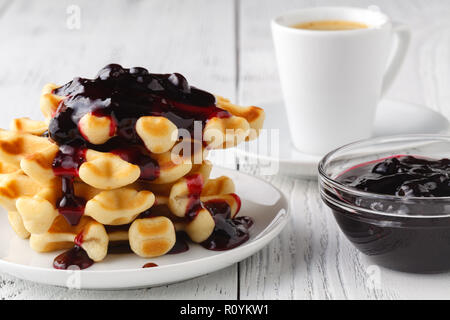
x=404 y=176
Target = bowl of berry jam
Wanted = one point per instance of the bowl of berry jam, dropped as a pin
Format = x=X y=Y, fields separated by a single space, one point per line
x=391 y=198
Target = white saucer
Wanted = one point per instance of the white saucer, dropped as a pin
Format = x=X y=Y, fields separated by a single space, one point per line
x=260 y=200
x=393 y=118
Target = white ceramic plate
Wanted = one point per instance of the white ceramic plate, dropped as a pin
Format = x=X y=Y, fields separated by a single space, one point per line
x=393 y=118
x=260 y=200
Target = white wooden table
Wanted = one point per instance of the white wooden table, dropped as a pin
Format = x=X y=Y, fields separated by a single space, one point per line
x=224 y=47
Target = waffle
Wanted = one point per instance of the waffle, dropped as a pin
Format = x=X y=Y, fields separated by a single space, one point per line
x=119 y=166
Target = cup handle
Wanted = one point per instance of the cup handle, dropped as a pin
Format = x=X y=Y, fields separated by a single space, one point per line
x=403 y=34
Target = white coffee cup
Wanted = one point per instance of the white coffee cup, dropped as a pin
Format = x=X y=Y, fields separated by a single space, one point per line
x=333 y=80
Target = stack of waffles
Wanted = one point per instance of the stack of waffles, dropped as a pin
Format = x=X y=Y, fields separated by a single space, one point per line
x=118 y=162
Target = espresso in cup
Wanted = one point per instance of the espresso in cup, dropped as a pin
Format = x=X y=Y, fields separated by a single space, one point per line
x=330 y=25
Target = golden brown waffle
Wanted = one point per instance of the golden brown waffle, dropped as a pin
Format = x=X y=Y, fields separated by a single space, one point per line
x=118 y=204
x=89 y=234
x=102 y=170
x=111 y=207
x=140 y=233
x=30 y=194
x=255 y=116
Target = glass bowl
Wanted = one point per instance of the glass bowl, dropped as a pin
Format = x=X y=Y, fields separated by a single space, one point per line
x=402 y=233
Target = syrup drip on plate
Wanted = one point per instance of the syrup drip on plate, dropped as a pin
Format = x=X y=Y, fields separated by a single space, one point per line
x=149 y=265
x=76 y=256
x=73 y=257
x=228 y=232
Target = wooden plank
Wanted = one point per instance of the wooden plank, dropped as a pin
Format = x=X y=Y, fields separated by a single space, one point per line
x=312 y=259
x=195 y=38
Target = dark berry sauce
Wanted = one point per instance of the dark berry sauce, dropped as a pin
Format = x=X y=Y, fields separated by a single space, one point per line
x=70 y=206
x=149 y=265
x=396 y=237
x=73 y=257
x=68 y=160
x=228 y=233
x=119 y=247
x=66 y=164
x=404 y=176
x=180 y=245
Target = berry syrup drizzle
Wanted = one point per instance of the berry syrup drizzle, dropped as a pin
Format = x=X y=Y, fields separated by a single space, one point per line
x=195 y=185
x=73 y=257
x=66 y=164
